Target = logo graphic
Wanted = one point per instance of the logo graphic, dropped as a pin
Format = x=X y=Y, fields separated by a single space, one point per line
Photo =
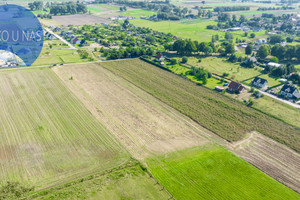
x=20 y=33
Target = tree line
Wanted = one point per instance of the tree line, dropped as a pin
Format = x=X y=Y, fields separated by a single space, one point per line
x=231 y=8
x=187 y=47
x=67 y=8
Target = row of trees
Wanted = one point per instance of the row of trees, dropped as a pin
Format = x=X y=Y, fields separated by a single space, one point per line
x=187 y=47
x=276 y=8
x=68 y=8
x=285 y=52
x=36 y=5
x=280 y=71
x=231 y=8
x=129 y=52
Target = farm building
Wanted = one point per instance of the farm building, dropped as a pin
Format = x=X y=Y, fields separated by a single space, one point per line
x=235 y=87
x=219 y=88
x=272 y=64
x=261 y=41
x=259 y=82
x=235 y=29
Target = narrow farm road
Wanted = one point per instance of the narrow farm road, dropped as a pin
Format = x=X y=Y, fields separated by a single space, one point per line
x=60 y=38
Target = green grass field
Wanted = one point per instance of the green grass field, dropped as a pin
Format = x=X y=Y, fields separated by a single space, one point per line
x=195 y=31
x=138 y=13
x=47 y=135
x=235 y=71
x=222 y=115
x=274 y=107
x=108 y=6
x=95 y=10
x=128 y=182
x=58 y=56
x=212 y=172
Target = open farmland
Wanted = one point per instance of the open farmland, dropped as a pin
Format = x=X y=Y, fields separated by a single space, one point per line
x=47 y=135
x=138 y=13
x=211 y=172
x=273 y=158
x=59 y=56
x=143 y=124
x=194 y=31
x=222 y=115
x=79 y=19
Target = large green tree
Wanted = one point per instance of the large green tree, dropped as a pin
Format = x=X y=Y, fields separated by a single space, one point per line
x=263 y=51
x=248 y=49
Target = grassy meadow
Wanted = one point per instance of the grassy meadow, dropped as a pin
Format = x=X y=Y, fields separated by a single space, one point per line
x=108 y=6
x=236 y=72
x=94 y=10
x=194 y=31
x=224 y=116
x=47 y=135
x=58 y=56
x=138 y=13
x=212 y=172
x=127 y=182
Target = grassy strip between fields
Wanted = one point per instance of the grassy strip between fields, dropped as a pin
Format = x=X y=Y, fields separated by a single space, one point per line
x=226 y=117
x=129 y=181
x=212 y=172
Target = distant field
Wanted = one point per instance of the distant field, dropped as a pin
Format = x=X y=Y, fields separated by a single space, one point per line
x=47 y=135
x=108 y=6
x=218 y=113
x=58 y=56
x=220 y=65
x=94 y=9
x=235 y=71
x=214 y=173
x=194 y=30
x=79 y=19
x=138 y=13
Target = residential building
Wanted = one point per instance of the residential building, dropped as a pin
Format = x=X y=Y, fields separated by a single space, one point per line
x=235 y=87
x=259 y=82
x=159 y=57
x=290 y=92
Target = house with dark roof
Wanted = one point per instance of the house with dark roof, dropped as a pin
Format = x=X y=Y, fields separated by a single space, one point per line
x=76 y=41
x=235 y=87
x=259 y=82
x=57 y=29
x=159 y=57
x=290 y=92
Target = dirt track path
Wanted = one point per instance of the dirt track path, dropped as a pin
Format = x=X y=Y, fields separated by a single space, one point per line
x=273 y=158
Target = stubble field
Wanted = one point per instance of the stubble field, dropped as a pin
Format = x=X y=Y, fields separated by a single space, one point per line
x=47 y=135
x=143 y=124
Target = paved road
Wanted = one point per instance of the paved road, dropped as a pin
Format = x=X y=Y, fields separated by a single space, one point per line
x=62 y=39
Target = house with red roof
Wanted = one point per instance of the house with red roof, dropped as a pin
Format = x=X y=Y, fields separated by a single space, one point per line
x=159 y=57
x=235 y=87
